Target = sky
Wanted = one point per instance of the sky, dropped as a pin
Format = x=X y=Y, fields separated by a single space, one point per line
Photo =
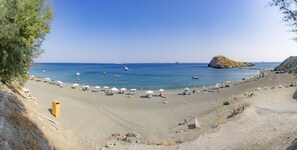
x=144 y=31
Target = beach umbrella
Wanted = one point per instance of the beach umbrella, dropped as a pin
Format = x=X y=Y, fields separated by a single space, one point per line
x=47 y=78
x=86 y=86
x=75 y=85
x=186 y=89
x=218 y=85
x=97 y=87
x=161 y=90
x=105 y=87
x=59 y=82
x=149 y=92
x=123 y=89
x=132 y=90
x=114 y=89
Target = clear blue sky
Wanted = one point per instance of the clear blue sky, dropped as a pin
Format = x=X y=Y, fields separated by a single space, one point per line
x=128 y=31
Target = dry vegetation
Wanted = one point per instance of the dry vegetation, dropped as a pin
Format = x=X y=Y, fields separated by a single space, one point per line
x=19 y=131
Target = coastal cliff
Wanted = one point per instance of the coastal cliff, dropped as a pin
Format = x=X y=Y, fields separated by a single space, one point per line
x=223 y=62
x=289 y=65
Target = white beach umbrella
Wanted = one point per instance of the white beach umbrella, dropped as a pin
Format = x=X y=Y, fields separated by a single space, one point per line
x=59 y=82
x=186 y=89
x=105 y=87
x=149 y=92
x=75 y=85
x=97 y=87
x=123 y=89
x=132 y=90
x=47 y=78
x=161 y=90
x=218 y=85
x=114 y=89
x=86 y=86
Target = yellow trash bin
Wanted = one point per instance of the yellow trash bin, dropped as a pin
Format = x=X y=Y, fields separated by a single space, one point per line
x=56 y=108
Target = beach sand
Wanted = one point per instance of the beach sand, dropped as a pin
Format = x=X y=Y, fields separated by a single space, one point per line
x=93 y=117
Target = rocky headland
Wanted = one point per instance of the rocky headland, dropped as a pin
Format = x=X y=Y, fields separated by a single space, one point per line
x=222 y=62
x=288 y=65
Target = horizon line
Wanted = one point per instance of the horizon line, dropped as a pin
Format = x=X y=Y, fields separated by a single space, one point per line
x=140 y=62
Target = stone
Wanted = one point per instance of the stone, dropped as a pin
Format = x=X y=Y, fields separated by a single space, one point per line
x=222 y=62
x=197 y=125
x=6 y=145
x=131 y=134
x=2 y=123
x=131 y=137
x=295 y=95
x=288 y=65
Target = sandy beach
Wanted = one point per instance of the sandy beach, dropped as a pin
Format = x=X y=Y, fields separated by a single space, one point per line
x=97 y=120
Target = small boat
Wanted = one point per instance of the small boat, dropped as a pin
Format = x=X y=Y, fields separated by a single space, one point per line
x=177 y=62
x=77 y=73
x=117 y=76
x=43 y=70
x=104 y=73
x=195 y=77
x=126 y=69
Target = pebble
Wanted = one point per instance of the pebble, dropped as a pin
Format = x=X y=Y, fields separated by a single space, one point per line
x=1 y=122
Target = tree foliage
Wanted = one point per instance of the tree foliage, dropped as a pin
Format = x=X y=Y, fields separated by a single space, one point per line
x=23 y=26
x=289 y=10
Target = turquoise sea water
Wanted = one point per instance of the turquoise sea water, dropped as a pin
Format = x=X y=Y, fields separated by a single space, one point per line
x=146 y=76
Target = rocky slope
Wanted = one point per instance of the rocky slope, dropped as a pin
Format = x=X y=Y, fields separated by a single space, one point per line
x=288 y=65
x=223 y=62
x=17 y=131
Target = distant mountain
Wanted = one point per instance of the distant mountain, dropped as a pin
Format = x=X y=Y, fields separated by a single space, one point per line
x=222 y=62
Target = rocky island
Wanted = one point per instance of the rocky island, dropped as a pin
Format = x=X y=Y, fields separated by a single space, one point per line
x=223 y=62
x=289 y=65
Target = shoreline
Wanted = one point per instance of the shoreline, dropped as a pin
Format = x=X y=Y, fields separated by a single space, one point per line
x=139 y=76
x=233 y=82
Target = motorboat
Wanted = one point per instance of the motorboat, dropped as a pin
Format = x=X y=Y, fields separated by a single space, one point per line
x=195 y=77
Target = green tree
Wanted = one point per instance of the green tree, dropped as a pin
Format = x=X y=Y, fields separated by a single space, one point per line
x=23 y=26
x=289 y=10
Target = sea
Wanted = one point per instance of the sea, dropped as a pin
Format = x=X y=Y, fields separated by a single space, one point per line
x=144 y=75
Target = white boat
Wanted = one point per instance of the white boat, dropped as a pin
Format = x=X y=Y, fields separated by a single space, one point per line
x=126 y=69
x=77 y=73
x=117 y=76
